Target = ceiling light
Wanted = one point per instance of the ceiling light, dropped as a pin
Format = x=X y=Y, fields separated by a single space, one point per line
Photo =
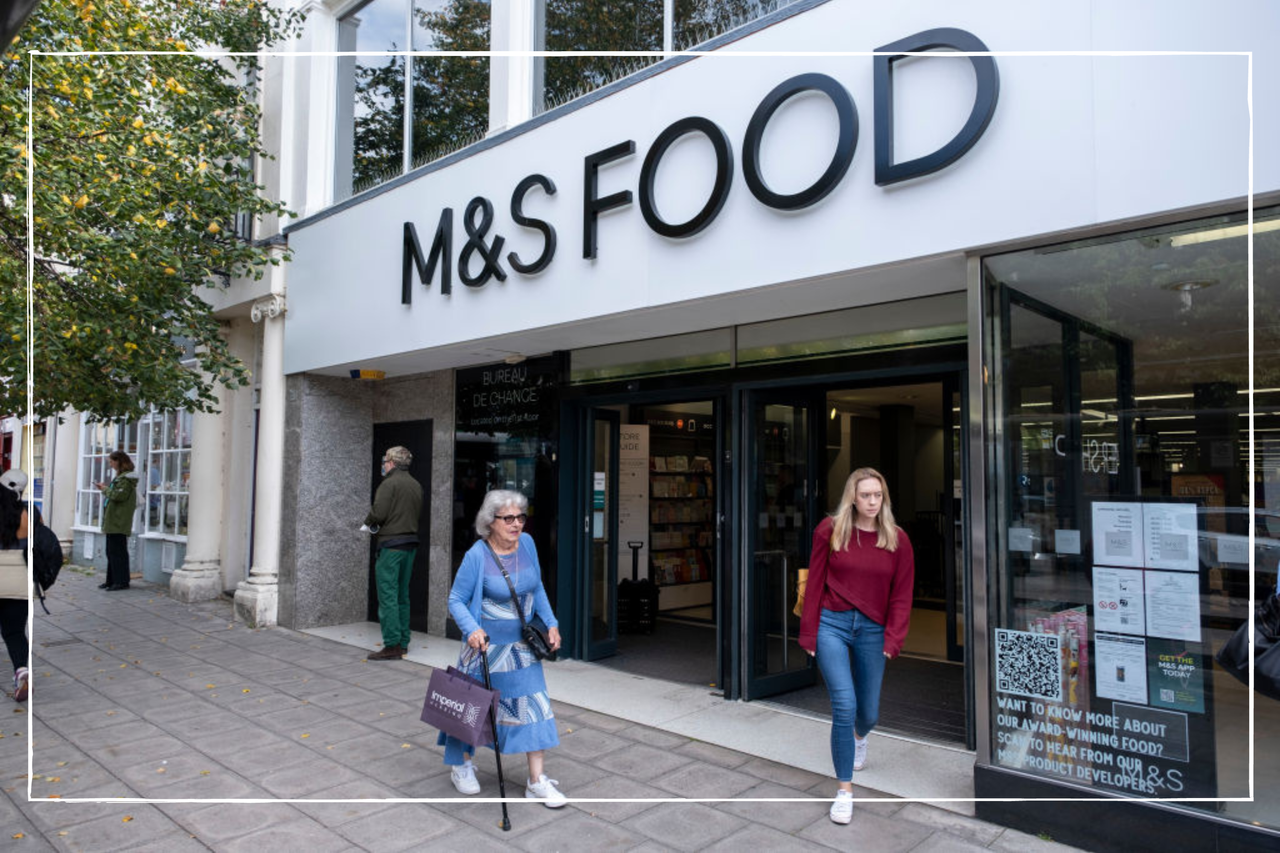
x=1223 y=233
x=1185 y=288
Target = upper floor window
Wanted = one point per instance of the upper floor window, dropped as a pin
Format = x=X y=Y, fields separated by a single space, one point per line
x=396 y=113
x=589 y=25
x=630 y=25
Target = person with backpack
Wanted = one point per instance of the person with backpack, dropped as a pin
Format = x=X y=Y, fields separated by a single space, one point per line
x=117 y=519
x=46 y=550
x=14 y=589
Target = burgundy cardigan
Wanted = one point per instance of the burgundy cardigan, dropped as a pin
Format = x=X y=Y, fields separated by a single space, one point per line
x=880 y=583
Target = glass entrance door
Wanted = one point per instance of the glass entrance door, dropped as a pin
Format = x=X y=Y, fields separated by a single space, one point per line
x=598 y=552
x=779 y=520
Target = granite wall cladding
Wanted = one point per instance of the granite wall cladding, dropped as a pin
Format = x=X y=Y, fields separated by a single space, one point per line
x=324 y=558
x=328 y=441
x=429 y=395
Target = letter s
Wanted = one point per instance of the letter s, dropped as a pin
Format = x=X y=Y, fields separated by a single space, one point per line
x=548 y=232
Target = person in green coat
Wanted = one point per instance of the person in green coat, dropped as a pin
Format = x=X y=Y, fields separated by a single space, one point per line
x=120 y=501
x=394 y=516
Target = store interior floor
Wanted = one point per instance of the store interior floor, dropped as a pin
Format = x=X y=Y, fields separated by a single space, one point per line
x=922 y=696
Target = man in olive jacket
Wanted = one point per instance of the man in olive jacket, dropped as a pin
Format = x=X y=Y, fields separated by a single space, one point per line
x=396 y=507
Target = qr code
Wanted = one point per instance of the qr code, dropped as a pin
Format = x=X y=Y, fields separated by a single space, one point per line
x=1029 y=664
x=1166 y=695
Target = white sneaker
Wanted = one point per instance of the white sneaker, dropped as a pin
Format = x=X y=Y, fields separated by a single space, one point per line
x=859 y=752
x=21 y=681
x=463 y=777
x=545 y=789
x=842 y=808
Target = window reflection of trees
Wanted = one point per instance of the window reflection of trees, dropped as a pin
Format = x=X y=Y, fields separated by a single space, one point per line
x=450 y=95
x=449 y=100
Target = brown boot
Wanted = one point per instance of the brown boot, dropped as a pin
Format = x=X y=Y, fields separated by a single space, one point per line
x=389 y=653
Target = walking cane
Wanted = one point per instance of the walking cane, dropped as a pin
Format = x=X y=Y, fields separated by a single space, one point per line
x=497 y=753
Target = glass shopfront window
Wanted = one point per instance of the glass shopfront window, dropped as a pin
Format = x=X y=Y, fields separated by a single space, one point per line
x=167 y=472
x=1121 y=508
x=98 y=440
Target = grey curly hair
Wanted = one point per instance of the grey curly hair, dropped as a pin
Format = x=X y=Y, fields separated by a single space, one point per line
x=493 y=502
x=400 y=456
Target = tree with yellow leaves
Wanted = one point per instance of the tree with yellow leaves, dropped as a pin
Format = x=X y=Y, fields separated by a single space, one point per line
x=142 y=164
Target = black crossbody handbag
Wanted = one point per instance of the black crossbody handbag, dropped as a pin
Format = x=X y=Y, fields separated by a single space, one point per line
x=534 y=631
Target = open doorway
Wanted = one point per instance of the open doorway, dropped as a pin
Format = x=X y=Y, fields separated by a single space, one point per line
x=910 y=433
x=655 y=550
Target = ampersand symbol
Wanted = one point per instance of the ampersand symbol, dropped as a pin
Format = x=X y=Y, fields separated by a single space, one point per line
x=490 y=254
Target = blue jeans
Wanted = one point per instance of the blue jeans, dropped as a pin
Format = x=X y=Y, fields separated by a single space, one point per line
x=855 y=694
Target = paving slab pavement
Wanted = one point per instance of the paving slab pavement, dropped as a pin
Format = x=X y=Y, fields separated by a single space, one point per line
x=135 y=695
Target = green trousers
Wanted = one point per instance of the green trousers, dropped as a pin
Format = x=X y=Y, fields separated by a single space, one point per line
x=392 y=572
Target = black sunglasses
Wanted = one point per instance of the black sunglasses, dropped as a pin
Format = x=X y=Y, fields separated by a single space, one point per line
x=512 y=519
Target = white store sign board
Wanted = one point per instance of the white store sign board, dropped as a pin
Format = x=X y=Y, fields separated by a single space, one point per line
x=1074 y=141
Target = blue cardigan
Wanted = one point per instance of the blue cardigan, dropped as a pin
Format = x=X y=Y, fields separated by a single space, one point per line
x=467 y=594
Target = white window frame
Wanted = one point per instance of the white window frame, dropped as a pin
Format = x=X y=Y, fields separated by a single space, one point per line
x=165 y=474
x=98 y=440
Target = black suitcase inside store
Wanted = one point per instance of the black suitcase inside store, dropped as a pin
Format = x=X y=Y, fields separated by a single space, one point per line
x=637 y=599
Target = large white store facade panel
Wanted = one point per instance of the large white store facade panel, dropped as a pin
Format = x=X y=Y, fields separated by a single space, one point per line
x=1073 y=141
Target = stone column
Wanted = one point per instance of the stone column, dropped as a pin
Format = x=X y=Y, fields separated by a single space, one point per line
x=257 y=599
x=60 y=489
x=200 y=577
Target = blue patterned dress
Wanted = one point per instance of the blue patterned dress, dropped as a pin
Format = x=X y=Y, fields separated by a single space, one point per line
x=480 y=598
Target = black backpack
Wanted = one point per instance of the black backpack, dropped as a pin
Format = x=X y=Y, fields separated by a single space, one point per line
x=47 y=553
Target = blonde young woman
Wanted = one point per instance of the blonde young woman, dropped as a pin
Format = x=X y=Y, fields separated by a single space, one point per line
x=857 y=606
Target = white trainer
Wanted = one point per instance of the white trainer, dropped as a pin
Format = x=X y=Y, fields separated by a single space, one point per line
x=463 y=777
x=545 y=789
x=859 y=752
x=842 y=808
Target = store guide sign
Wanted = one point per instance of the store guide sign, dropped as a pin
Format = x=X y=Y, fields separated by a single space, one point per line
x=480 y=258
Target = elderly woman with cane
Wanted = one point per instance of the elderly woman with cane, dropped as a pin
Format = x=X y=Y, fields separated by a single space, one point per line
x=490 y=618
